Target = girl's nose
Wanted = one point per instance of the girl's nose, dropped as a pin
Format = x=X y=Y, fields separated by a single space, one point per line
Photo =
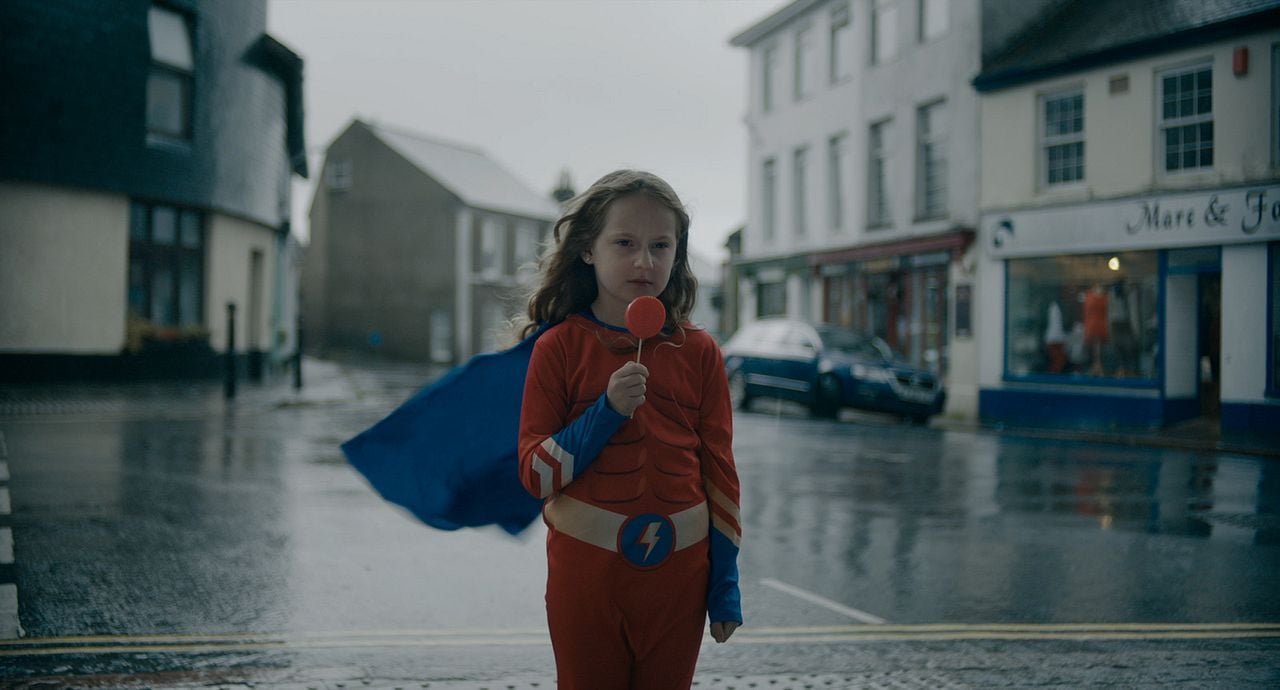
x=644 y=259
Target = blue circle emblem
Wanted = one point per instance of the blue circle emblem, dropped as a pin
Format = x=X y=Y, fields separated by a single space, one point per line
x=646 y=541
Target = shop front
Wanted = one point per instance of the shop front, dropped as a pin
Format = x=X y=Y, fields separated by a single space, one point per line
x=1137 y=313
x=897 y=291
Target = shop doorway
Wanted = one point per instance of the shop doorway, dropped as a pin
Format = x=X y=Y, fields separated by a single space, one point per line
x=1209 y=319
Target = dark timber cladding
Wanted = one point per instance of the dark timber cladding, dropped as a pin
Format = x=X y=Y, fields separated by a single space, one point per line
x=75 y=78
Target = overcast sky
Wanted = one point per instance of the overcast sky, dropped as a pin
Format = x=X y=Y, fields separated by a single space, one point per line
x=542 y=86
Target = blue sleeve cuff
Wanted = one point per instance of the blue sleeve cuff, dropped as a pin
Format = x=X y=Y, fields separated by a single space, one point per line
x=587 y=435
x=724 y=597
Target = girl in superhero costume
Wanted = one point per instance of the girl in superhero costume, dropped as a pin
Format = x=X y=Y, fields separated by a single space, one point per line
x=632 y=459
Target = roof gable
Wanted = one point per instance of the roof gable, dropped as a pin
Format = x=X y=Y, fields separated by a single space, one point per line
x=469 y=174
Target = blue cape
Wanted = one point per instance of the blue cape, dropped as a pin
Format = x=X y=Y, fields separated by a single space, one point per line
x=449 y=454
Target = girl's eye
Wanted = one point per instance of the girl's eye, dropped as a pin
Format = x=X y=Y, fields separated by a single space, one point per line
x=623 y=243
x=662 y=245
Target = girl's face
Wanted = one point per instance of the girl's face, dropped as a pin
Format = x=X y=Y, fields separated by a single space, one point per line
x=633 y=254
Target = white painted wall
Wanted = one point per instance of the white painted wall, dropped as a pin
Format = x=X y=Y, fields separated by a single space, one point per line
x=1244 y=337
x=1181 y=333
x=63 y=257
x=231 y=242
x=918 y=74
x=1121 y=130
x=988 y=321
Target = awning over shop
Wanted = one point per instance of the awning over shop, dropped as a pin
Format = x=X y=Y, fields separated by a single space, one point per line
x=955 y=241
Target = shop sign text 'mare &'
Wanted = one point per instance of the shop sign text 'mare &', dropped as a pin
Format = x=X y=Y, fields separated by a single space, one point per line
x=1219 y=217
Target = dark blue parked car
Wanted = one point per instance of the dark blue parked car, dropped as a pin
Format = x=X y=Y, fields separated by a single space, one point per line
x=827 y=368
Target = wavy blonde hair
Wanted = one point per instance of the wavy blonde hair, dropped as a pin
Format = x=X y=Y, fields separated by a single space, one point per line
x=568 y=284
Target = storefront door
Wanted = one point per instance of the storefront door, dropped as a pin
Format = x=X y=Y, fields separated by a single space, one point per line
x=1209 y=328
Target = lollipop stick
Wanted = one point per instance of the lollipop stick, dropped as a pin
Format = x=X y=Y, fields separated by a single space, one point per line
x=639 y=345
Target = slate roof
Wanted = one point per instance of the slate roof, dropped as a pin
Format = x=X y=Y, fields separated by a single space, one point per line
x=468 y=173
x=1084 y=34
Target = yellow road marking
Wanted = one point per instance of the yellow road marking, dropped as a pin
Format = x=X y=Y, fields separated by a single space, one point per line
x=833 y=634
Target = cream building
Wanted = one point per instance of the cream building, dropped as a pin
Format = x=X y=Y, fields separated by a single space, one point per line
x=1129 y=259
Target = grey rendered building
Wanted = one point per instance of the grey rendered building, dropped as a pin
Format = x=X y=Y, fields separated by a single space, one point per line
x=420 y=249
x=146 y=154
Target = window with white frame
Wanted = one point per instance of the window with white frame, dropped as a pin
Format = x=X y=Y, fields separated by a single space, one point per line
x=799 y=189
x=1062 y=137
x=771 y=299
x=804 y=62
x=170 y=81
x=931 y=160
x=769 y=77
x=878 y=214
x=526 y=245
x=441 y=336
x=884 y=31
x=490 y=258
x=1186 y=118
x=841 y=47
x=769 y=196
x=338 y=175
x=934 y=18
x=837 y=176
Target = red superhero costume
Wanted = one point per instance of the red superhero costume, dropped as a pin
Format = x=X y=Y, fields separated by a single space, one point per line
x=642 y=513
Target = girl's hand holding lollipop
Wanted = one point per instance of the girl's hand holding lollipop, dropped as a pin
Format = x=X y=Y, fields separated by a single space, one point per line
x=645 y=316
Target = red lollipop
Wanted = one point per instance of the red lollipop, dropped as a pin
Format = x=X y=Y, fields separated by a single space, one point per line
x=645 y=316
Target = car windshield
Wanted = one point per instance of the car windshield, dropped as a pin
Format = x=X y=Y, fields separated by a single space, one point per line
x=857 y=345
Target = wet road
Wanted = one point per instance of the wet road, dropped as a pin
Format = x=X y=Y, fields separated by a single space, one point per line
x=162 y=535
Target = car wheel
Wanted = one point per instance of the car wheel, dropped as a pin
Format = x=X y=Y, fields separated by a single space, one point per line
x=826 y=398
x=738 y=391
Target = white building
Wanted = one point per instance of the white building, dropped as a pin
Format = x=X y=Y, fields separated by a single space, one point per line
x=863 y=174
x=1129 y=256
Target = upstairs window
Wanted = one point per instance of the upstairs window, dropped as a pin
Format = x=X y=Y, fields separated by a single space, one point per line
x=1186 y=118
x=884 y=31
x=769 y=78
x=769 y=194
x=840 y=64
x=837 y=175
x=931 y=161
x=877 y=176
x=799 y=189
x=934 y=18
x=170 y=83
x=1062 y=142
x=804 y=62
x=338 y=175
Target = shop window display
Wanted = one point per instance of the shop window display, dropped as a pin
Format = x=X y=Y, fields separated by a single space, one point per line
x=1087 y=316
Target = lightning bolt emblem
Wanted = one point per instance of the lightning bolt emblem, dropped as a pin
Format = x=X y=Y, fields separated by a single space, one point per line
x=649 y=539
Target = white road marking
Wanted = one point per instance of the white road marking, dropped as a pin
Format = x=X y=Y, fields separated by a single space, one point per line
x=6 y=545
x=9 y=628
x=533 y=637
x=4 y=500
x=823 y=602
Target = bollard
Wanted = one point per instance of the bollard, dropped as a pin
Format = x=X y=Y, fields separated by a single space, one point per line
x=297 y=357
x=230 y=388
